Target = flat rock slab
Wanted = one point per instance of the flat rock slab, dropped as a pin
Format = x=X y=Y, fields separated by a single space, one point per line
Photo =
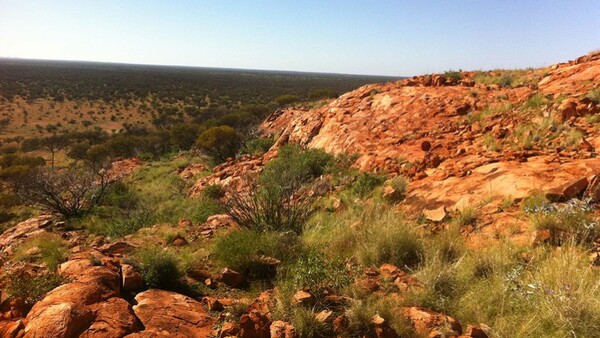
x=170 y=314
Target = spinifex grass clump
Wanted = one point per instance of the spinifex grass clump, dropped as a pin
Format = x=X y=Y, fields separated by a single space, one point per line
x=281 y=199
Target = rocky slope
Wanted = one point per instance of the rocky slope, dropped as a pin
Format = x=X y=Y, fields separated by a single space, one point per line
x=460 y=142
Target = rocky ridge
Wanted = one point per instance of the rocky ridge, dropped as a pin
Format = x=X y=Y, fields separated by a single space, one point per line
x=425 y=128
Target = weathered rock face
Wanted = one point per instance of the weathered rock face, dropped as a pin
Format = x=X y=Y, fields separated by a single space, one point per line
x=424 y=121
x=169 y=314
x=84 y=306
x=29 y=228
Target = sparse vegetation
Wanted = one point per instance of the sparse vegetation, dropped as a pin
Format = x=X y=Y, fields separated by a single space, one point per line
x=159 y=268
x=46 y=248
x=32 y=289
x=280 y=199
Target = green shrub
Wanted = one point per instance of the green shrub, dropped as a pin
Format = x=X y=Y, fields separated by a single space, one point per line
x=365 y=183
x=184 y=135
x=312 y=270
x=258 y=145
x=244 y=251
x=213 y=191
x=361 y=313
x=506 y=80
x=594 y=95
x=535 y=101
x=465 y=216
x=372 y=234
x=395 y=243
x=32 y=289
x=159 y=268
x=48 y=248
x=280 y=200
x=319 y=94
x=573 y=220
x=8 y=200
x=306 y=324
x=453 y=75
x=220 y=142
x=399 y=185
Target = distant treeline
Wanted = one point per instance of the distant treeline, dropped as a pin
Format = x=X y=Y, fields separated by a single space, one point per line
x=60 y=80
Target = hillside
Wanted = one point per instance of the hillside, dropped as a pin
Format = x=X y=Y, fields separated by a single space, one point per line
x=461 y=204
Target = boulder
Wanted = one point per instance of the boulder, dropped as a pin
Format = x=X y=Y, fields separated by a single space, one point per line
x=212 y=304
x=169 y=314
x=340 y=324
x=435 y=215
x=231 y=278
x=179 y=240
x=568 y=190
x=131 y=279
x=118 y=249
x=113 y=318
x=229 y=329
x=303 y=298
x=28 y=228
x=71 y=309
x=281 y=329
x=255 y=325
x=431 y=324
x=325 y=316
x=567 y=110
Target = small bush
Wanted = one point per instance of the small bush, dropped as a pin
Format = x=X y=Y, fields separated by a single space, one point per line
x=399 y=185
x=370 y=234
x=506 y=80
x=395 y=243
x=71 y=192
x=280 y=199
x=453 y=75
x=220 y=142
x=48 y=248
x=535 y=101
x=213 y=191
x=32 y=288
x=315 y=272
x=465 y=216
x=159 y=268
x=361 y=313
x=306 y=324
x=244 y=251
x=365 y=183
x=594 y=95
x=258 y=145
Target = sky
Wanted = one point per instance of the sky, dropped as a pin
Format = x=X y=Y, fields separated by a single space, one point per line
x=397 y=38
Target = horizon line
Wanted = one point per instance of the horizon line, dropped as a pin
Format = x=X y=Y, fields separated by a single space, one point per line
x=200 y=67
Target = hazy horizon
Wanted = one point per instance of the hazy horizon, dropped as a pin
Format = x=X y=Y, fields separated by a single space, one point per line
x=389 y=38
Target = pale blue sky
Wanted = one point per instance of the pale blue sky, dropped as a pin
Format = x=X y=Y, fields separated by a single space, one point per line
x=359 y=37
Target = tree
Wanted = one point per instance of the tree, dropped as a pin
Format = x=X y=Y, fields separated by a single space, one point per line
x=184 y=135
x=52 y=143
x=71 y=192
x=220 y=142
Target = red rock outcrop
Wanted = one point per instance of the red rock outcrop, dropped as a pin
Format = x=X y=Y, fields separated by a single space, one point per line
x=169 y=314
